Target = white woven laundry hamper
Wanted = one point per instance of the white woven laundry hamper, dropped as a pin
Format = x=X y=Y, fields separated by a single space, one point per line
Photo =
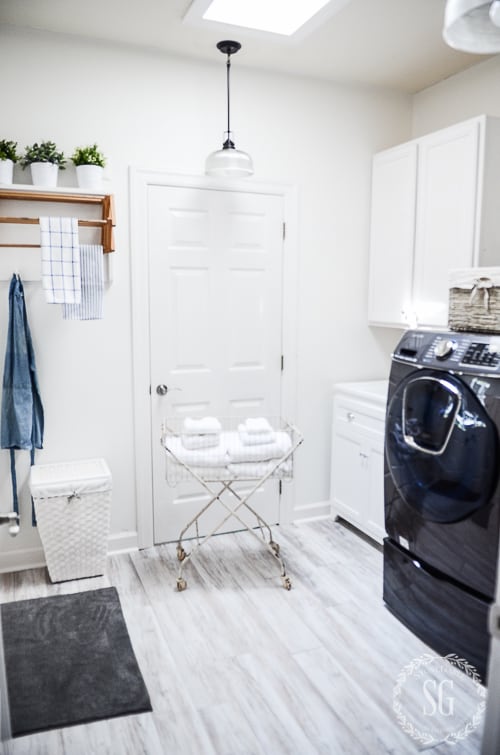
x=73 y=505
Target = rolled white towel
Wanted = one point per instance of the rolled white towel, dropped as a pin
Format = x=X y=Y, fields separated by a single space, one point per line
x=255 y=439
x=192 y=442
x=205 y=425
x=257 y=425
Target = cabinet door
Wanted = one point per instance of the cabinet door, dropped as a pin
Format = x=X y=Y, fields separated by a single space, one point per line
x=392 y=235
x=446 y=216
x=348 y=478
x=357 y=471
x=375 y=508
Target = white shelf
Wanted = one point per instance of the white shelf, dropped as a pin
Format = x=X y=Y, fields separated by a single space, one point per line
x=70 y=190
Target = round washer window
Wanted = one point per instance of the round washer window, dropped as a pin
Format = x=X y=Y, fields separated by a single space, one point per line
x=441 y=446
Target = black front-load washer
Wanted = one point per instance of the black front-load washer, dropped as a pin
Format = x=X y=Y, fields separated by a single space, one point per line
x=442 y=492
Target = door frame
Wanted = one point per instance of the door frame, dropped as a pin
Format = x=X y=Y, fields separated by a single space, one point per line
x=140 y=181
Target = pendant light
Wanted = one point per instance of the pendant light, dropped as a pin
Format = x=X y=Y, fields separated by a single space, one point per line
x=228 y=162
x=472 y=26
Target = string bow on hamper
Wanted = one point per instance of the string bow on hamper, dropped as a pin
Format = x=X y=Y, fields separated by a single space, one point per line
x=482 y=284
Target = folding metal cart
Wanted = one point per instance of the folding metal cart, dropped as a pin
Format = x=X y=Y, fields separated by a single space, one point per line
x=217 y=468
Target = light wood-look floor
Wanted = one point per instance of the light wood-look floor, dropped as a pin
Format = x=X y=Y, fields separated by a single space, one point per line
x=237 y=665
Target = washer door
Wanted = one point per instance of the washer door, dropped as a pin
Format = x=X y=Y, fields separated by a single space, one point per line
x=441 y=446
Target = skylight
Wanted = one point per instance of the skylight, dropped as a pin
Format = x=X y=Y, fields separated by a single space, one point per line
x=276 y=16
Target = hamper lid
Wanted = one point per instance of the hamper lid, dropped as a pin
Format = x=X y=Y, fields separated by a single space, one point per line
x=65 y=478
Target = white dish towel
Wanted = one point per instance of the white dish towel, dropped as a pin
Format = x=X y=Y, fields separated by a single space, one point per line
x=61 y=279
x=92 y=282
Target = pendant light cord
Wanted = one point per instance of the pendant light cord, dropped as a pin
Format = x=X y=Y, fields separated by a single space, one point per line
x=228 y=69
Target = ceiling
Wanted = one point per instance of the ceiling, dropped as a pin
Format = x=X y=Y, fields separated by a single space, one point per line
x=386 y=43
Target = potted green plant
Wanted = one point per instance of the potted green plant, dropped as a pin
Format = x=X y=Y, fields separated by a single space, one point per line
x=8 y=156
x=89 y=162
x=45 y=162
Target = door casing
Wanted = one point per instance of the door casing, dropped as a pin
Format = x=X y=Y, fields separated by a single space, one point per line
x=140 y=181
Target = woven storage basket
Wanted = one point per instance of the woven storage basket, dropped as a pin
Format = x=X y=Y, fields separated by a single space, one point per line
x=474 y=302
x=73 y=505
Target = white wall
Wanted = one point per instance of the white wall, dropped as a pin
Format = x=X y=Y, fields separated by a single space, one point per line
x=465 y=95
x=157 y=112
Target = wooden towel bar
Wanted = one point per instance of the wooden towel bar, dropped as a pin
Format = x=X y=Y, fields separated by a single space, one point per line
x=105 y=200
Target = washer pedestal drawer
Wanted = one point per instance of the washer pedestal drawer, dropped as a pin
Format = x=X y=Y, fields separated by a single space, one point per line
x=445 y=616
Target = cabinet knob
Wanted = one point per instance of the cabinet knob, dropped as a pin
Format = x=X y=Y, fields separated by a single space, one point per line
x=350 y=416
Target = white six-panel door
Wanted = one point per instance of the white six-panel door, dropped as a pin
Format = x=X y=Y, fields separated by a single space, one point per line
x=215 y=296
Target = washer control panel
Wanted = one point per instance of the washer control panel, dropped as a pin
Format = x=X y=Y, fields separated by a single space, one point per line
x=482 y=354
x=469 y=352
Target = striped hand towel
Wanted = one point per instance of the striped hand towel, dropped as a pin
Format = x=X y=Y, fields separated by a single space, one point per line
x=91 y=266
x=60 y=260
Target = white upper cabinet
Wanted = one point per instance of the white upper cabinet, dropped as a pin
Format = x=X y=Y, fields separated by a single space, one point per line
x=392 y=238
x=433 y=210
x=447 y=191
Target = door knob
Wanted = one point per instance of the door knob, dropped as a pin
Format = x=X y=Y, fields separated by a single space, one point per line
x=161 y=390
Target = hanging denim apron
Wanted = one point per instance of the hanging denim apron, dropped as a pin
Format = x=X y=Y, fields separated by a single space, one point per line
x=21 y=419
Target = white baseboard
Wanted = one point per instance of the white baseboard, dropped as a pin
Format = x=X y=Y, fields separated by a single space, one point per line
x=18 y=560
x=310 y=511
x=123 y=542
x=34 y=558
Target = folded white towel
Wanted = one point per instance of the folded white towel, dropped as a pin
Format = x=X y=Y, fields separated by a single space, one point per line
x=192 y=442
x=92 y=281
x=257 y=425
x=255 y=439
x=206 y=425
x=239 y=452
x=201 y=457
x=61 y=279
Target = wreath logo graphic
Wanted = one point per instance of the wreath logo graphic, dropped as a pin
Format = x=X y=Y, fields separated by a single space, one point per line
x=411 y=721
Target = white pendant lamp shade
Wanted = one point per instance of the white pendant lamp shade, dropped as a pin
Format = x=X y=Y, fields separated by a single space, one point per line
x=229 y=162
x=473 y=26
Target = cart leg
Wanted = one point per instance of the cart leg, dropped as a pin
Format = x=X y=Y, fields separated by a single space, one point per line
x=275 y=547
x=275 y=550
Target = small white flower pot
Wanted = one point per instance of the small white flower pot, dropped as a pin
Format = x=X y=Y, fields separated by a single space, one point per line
x=44 y=174
x=6 y=171
x=89 y=176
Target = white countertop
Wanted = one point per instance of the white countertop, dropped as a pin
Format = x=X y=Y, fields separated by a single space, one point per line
x=371 y=390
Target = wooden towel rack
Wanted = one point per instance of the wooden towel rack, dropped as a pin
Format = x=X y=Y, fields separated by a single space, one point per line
x=106 y=201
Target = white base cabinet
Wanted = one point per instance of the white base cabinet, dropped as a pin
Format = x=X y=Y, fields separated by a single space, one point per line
x=357 y=465
x=434 y=209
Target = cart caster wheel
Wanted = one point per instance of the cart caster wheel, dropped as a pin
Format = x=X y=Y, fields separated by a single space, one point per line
x=287 y=583
x=181 y=553
x=275 y=548
x=181 y=584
